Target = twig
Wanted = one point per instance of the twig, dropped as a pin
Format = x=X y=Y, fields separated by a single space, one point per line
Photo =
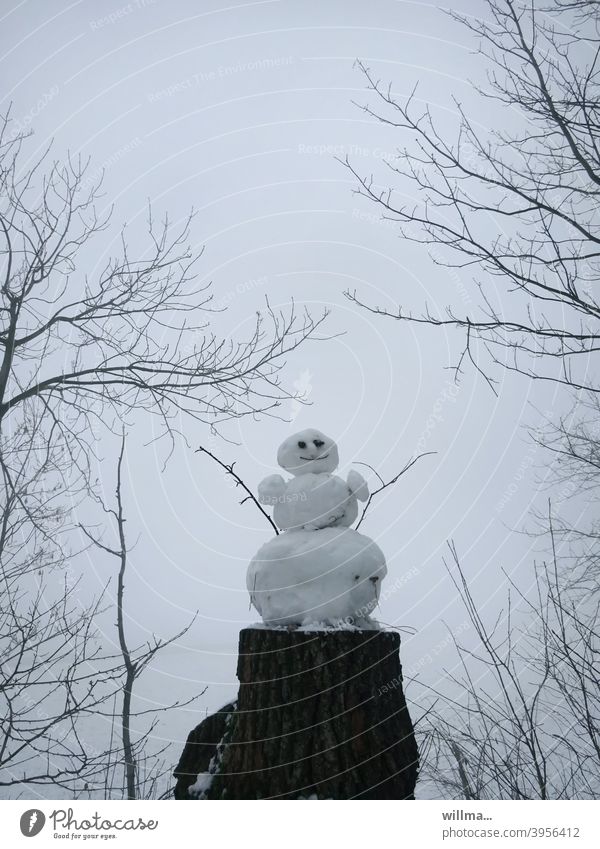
x=384 y=484
x=239 y=482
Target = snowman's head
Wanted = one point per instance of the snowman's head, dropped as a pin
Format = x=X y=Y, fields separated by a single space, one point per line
x=308 y=451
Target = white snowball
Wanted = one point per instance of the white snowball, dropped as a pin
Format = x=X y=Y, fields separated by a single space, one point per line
x=313 y=502
x=358 y=485
x=314 y=498
x=308 y=451
x=302 y=577
x=271 y=489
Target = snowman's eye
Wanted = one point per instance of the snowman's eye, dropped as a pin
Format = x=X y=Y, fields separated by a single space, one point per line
x=318 y=442
x=302 y=445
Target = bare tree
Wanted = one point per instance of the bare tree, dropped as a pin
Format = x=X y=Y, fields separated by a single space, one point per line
x=137 y=336
x=59 y=676
x=78 y=352
x=573 y=479
x=585 y=10
x=536 y=176
x=54 y=673
x=523 y=720
x=134 y=662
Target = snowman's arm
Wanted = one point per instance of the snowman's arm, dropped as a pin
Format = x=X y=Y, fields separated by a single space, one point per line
x=270 y=489
x=357 y=485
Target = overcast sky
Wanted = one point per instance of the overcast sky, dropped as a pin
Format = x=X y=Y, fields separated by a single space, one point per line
x=239 y=111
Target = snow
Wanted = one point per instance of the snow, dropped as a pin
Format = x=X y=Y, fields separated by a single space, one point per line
x=326 y=626
x=308 y=451
x=201 y=784
x=315 y=501
x=204 y=780
x=319 y=574
x=348 y=624
x=317 y=578
x=314 y=498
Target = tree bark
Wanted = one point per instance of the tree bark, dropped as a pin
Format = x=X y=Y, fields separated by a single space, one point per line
x=318 y=715
x=200 y=749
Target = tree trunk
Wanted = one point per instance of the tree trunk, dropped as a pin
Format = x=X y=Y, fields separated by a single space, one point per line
x=200 y=749
x=319 y=714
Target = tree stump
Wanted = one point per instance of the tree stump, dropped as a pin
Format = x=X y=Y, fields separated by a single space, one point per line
x=200 y=749
x=319 y=715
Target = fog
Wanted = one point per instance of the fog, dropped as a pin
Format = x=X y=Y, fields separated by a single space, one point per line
x=243 y=113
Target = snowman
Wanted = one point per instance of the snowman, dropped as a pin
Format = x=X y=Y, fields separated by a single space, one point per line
x=319 y=571
x=314 y=498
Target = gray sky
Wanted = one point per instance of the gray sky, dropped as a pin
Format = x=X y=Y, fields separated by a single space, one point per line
x=239 y=111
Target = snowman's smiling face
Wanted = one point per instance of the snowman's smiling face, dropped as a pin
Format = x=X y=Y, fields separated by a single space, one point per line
x=308 y=451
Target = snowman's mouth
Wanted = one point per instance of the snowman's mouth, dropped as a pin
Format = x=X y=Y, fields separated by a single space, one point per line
x=310 y=459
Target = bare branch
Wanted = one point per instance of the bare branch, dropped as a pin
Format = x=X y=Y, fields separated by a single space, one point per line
x=229 y=469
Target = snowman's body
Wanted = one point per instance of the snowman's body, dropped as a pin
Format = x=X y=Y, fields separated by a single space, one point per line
x=319 y=570
x=314 y=498
x=311 y=502
x=331 y=576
